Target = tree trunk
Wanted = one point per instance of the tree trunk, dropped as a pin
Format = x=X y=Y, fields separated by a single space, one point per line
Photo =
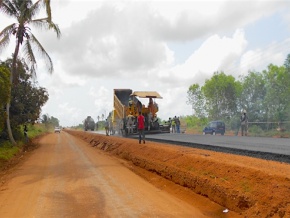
x=8 y=125
x=8 y=114
x=12 y=74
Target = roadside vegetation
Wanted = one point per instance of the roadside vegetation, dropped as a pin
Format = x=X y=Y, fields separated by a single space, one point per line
x=24 y=14
x=8 y=151
x=265 y=96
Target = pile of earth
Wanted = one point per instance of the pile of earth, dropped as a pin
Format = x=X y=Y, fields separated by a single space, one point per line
x=249 y=186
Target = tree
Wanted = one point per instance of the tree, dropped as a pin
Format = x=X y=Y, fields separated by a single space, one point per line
x=278 y=92
x=221 y=93
x=25 y=13
x=4 y=93
x=45 y=118
x=253 y=96
x=196 y=99
x=54 y=121
x=50 y=121
x=26 y=97
x=287 y=63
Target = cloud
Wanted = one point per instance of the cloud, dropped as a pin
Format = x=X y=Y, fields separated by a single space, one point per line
x=127 y=44
x=131 y=37
x=214 y=54
x=259 y=59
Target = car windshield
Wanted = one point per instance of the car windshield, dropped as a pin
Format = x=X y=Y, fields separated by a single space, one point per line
x=212 y=125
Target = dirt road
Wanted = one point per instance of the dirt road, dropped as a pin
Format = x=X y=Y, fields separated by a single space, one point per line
x=65 y=177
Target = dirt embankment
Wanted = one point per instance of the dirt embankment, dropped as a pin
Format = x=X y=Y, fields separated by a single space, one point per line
x=249 y=186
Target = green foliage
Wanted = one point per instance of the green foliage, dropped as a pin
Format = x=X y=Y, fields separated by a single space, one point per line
x=36 y=130
x=4 y=93
x=50 y=121
x=221 y=92
x=278 y=92
x=195 y=122
x=264 y=95
x=255 y=130
x=253 y=96
x=196 y=99
x=7 y=151
x=24 y=13
x=26 y=99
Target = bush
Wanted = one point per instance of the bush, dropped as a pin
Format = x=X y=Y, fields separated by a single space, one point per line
x=7 y=151
x=256 y=130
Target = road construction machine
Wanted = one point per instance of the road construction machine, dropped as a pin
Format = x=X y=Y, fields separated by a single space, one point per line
x=127 y=103
x=89 y=124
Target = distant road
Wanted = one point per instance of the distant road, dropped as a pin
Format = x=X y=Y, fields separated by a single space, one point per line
x=277 y=149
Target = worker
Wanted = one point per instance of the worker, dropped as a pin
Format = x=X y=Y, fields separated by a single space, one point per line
x=141 y=127
x=130 y=101
x=107 y=127
x=149 y=120
x=25 y=133
x=244 y=123
x=177 y=123
x=130 y=122
x=173 y=125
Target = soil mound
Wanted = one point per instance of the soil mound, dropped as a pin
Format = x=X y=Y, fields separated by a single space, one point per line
x=248 y=186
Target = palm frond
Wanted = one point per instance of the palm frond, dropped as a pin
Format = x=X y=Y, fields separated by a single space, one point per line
x=7 y=30
x=48 y=9
x=43 y=53
x=42 y=4
x=29 y=56
x=25 y=11
x=8 y=8
x=4 y=42
x=5 y=36
x=35 y=8
x=44 y=23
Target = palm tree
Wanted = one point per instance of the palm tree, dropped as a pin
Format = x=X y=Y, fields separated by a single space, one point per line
x=25 y=11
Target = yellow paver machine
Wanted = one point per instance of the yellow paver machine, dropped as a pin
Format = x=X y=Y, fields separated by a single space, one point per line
x=127 y=103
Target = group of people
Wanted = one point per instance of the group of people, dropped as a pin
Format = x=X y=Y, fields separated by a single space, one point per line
x=140 y=125
x=175 y=124
x=130 y=122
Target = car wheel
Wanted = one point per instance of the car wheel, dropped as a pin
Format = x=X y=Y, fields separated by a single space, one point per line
x=213 y=133
x=203 y=133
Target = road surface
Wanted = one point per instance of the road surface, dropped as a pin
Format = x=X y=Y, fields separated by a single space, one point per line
x=277 y=149
x=65 y=177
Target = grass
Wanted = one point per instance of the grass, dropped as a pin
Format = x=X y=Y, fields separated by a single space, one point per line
x=7 y=150
x=37 y=129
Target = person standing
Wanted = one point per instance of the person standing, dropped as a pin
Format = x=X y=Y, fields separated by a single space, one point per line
x=177 y=123
x=130 y=122
x=107 y=127
x=141 y=127
x=173 y=125
x=244 y=123
x=25 y=133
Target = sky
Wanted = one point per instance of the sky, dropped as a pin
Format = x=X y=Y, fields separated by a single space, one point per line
x=162 y=46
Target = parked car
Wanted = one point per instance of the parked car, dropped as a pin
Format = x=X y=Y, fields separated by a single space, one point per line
x=57 y=129
x=215 y=127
